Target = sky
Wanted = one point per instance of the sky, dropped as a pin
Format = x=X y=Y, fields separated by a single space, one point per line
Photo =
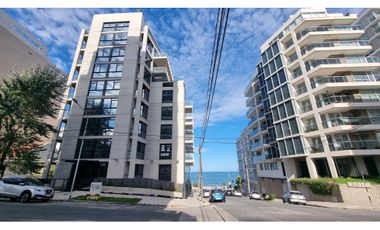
x=186 y=35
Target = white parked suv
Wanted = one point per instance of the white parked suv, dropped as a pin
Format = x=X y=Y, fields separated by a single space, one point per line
x=25 y=189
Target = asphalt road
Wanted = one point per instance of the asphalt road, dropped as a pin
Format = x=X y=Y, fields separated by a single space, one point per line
x=253 y=210
x=83 y=211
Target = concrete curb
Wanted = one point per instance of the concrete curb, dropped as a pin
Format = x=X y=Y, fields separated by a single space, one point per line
x=344 y=208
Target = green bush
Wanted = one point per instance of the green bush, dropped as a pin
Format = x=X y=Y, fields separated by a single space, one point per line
x=272 y=196
x=318 y=186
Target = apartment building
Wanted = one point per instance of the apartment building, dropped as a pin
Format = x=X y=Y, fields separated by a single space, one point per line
x=369 y=20
x=21 y=51
x=125 y=108
x=322 y=81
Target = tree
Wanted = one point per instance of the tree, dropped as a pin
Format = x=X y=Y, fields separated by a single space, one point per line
x=239 y=183
x=26 y=100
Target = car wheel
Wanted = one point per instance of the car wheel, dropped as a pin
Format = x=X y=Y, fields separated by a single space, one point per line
x=13 y=199
x=25 y=197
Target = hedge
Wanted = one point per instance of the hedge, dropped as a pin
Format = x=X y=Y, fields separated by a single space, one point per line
x=318 y=186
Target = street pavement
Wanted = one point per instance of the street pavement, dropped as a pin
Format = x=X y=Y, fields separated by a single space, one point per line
x=244 y=209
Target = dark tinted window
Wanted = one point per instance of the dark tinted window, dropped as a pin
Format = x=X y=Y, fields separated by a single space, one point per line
x=139 y=171
x=94 y=148
x=167 y=96
x=166 y=131
x=165 y=172
x=167 y=113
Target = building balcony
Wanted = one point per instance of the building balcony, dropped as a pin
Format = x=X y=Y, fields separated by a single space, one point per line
x=188 y=107
x=329 y=66
x=253 y=120
x=358 y=98
x=322 y=33
x=366 y=77
x=327 y=49
x=250 y=101
x=189 y=159
x=354 y=145
x=259 y=158
x=339 y=121
x=310 y=128
x=251 y=110
x=256 y=145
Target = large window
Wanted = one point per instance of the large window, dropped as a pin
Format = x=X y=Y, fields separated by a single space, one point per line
x=145 y=93
x=104 y=88
x=142 y=129
x=165 y=172
x=94 y=148
x=140 y=152
x=167 y=113
x=98 y=126
x=144 y=111
x=113 y=39
x=167 y=96
x=166 y=131
x=165 y=151
x=139 y=171
x=101 y=106
x=107 y=70
x=115 y=26
x=110 y=54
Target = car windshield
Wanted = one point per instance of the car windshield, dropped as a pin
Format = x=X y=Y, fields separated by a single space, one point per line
x=32 y=182
x=217 y=191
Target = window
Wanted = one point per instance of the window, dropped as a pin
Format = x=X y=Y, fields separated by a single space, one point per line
x=167 y=84
x=278 y=61
x=269 y=84
x=165 y=172
x=139 y=170
x=264 y=57
x=285 y=128
x=167 y=96
x=144 y=111
x=98 y=126
x=102 y=70
x=140 y=152
x=145 y=93
x=281 y=109
x=285 y=92
x=166 y=131
x=165 y=151
x=113 y=39
x=281 y=76
x=104 y=88
x=293 y=126
x=115 y=26
x=279 y=95
x=275 y=48
x=110 y=54
x=167 y=113
x=101 y=106
x=298 y=145
x=272 y=67
x=94 y=148
x=289 y=108
x=289 y=146
x=142 y=129
x=71 y=92
x=67 y=110
x=275 y=81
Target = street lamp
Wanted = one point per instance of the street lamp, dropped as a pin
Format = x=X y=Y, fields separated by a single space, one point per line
x=80 y=149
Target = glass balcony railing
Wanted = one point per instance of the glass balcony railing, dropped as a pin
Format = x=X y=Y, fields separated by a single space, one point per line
x=325 y=29
x=256 y=145
x=253 y=119
x=316 y=148
x=346 y=60
x=305 y=108
x=354 y=145
x=261 y=157
x=307 y=48
x=253 y=107
x=338 y=79
x=350 y=121
x=301 y=90
x=310 y=128
x=346 y=98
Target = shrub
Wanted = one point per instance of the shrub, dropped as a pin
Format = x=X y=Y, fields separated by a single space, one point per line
x=318 y=186
x=272 y=196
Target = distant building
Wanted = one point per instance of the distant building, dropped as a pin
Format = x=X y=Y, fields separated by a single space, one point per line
x=322 y=82
x=140 y=127
x=21 y=51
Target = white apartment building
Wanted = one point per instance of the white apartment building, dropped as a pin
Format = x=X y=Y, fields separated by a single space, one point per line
x=139 y=126
x=324 y=97
x=369 y=20
x=21 y=51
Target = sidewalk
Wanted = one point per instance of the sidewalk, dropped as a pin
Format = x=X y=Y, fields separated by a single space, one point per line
x=341 y=205
x=193 y=208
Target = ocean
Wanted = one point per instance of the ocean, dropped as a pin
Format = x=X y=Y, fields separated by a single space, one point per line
x=214 y=178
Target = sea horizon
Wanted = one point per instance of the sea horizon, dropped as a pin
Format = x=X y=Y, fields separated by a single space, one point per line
x=213 y=178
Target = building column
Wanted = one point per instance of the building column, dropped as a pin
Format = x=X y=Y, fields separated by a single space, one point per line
x=311 y=167
x=331 y=164
x=290 y=170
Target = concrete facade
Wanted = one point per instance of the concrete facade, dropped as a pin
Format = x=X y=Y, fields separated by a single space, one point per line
x=21 y=51
x=134 y=132
x=322 y=80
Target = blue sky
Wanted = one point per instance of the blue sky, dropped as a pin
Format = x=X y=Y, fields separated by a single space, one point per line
x=186 y=35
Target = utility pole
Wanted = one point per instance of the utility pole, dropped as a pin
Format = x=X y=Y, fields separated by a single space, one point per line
x=247 y=175
x=200 y=173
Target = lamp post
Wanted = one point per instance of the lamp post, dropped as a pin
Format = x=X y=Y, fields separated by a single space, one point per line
x=80 y=149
